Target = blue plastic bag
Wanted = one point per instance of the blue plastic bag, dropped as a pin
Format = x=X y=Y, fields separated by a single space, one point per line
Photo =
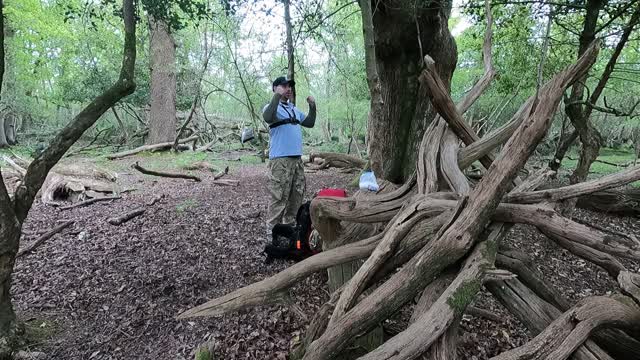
x=368 y=181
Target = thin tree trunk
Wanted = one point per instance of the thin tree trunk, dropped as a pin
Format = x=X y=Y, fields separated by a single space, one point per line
x=125 y=135
x=162 y=117
x=291 y=72
x=565 y=144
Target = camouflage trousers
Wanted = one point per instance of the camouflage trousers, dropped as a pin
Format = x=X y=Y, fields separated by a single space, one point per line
x=286 y=186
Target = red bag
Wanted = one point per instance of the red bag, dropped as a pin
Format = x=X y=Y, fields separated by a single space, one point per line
x=333 y=192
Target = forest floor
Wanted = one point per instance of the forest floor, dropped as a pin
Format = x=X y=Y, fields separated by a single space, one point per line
x=99 y=291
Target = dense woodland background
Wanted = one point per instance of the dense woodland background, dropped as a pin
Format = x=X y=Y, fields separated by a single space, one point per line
x=61 y=54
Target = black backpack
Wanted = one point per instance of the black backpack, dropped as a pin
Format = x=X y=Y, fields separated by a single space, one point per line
x=292 y=241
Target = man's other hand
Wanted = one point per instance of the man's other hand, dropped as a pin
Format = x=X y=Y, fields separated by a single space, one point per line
x=280 y=90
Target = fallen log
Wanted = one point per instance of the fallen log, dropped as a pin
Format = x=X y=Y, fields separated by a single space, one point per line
x=89 y=202
x=327 y=160
x=69 y=181
x=576 y=190
x=161 y=146
x=15 y=166
x=46 y=236
x=119 y=220
x=426 y=329
x=614 y=201
x=164 y=174
x=536 y=314
x=562 y=337
x=630 y=284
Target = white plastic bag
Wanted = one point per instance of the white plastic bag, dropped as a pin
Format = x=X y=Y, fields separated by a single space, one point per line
x=368 y=181
x=247 y=135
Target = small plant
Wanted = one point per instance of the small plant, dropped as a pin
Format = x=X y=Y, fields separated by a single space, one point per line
x=186 y=205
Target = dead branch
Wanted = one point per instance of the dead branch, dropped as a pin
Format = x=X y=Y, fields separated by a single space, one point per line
x=536 y=314
x=552 y=195
x=443 y=103
x=265 y=291
x=221 y=174
x=434 y=322
x=403 y=222
x=519 y=264
x=630 y=284
x=445 y=346
x=257 y=293
x=207 y=146
x=549 y=222
x=451 y=172
x=619 y=201
x=164 y=174
x=560 y=339
x=89 y=202
x=161 y=146
x=444 y=250
x=427 y=168
x=482 y=313
x=472 y=152
x=489 y=72
x=327 y=160
x=46 y=236
x=15 y=166
x=119 y=220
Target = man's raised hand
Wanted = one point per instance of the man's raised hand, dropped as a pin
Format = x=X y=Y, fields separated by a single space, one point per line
x=311 y=101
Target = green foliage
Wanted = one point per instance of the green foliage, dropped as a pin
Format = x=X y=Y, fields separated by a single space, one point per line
x=63 y=53
x=608 y=156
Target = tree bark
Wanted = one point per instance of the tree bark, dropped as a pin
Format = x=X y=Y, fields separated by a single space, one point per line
x=3 y=137
x=400 y=37
x=162 y=117
x=567 y=333
x=291 y=71
x=536 y=314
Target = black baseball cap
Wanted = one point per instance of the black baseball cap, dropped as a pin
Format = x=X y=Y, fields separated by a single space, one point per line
x=282 y=81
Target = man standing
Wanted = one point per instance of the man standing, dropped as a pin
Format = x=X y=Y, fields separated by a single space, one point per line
x=286 y=171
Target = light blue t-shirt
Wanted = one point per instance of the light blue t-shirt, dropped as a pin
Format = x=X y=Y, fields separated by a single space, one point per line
x=286 y=140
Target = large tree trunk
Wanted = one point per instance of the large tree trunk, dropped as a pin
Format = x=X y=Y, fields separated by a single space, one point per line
x=13 y=211
x=10 y=229
x=394 y=134
x=162 y=118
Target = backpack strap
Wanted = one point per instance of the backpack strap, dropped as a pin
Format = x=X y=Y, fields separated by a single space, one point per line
x=283 y=122
x=291 y=120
